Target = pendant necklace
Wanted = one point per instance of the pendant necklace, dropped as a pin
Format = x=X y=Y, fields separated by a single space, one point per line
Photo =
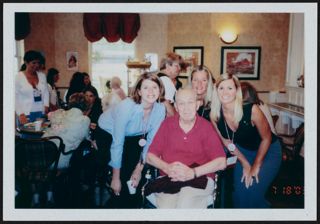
x=143 y=141
x=230 y=146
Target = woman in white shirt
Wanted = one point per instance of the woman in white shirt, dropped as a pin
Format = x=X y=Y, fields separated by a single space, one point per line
x=52 y=78
x=31 y=90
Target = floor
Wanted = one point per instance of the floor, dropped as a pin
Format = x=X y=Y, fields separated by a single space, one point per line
x=287 y=191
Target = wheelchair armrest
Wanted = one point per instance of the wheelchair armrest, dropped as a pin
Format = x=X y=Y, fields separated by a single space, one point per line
x=285 y=136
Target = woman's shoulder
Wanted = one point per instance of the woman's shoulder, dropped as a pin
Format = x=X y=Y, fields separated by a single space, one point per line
x=159 y=106
x=127 y=105
x=42 y=75
x=20 y=75
x=204 y=123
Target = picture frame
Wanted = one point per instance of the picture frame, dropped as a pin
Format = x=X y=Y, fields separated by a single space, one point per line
x=72 y=60
x=242 y=61
x=192 y=55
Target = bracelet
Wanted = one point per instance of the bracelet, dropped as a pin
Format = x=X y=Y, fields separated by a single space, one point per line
x=194 y=173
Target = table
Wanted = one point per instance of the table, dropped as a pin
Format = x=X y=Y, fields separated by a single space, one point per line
x=290 y=118
x=28 y=130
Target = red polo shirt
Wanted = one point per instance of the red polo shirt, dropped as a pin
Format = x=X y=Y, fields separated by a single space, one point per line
x=200 y=145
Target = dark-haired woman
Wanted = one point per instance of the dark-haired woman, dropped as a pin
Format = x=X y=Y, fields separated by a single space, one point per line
x=52 y=78
x=94 y=107
x=128 y=129
x=31 y=90
x=76 y=85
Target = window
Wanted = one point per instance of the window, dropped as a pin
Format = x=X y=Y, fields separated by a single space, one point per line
x=108 y=60
x=18 y=57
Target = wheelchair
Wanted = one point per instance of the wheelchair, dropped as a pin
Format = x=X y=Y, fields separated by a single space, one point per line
x=149 y=201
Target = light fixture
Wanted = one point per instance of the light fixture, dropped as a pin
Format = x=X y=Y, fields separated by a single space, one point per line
x=228 y=37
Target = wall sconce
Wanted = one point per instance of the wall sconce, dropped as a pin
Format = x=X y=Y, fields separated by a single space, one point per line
x=228 y=37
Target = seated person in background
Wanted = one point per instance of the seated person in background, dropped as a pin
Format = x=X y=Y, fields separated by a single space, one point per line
x=201 y=81
x=115 y=84
x=109 y=100
x=250 y=95
x=71 y=125
x=77 y=84
x=186 y=147
x=94 y=107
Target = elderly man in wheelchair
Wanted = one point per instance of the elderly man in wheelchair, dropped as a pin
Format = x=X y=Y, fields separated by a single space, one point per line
x=188 y=152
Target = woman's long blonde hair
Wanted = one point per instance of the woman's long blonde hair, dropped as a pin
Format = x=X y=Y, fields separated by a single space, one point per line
x=216 y=104
x=199 y=68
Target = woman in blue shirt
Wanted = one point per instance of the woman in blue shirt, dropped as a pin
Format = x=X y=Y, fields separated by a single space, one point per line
x=127 y=131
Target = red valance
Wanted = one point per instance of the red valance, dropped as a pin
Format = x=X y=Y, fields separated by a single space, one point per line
x=92 y=26
x=111 y=26
x=22 y=25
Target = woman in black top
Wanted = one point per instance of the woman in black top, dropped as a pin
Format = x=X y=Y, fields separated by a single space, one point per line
x=95 y=107
x=246 y=133
x=76 y=85
x=202 y=81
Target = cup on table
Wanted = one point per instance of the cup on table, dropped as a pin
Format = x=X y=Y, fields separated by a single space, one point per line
x=132 y=189
x=37 y=125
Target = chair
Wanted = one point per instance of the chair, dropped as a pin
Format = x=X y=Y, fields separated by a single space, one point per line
x=275 y=118
x=292 y=144
x=150 y=200
x=36 y=162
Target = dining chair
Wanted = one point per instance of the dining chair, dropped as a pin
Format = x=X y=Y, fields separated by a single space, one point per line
x=275 y=118
x=36 y=162
x=292 y=144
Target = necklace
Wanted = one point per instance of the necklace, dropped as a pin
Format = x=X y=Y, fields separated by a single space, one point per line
x=142 y=142
x=230 y=146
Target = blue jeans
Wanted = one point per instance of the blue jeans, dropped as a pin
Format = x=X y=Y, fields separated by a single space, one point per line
x=254 y=196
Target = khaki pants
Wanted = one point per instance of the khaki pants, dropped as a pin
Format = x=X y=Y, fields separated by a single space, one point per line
x=188 y=197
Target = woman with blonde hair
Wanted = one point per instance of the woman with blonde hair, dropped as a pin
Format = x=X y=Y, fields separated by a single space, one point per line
x=246 y=134
x=201 y=81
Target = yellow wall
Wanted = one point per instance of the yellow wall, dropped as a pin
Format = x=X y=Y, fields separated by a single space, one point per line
x=153 y=35
x=57 y=33
x=270 y=31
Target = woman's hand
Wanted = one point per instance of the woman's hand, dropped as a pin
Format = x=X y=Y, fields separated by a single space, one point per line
x=93 y=126
x=136 y=176
x=23 y=119
x=116 y=186
x=255 y=172
x=246 y=175
x=46 y=110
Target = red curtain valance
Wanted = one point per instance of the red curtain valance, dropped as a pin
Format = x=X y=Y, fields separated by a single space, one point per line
x=112 y=26
x=22 y=25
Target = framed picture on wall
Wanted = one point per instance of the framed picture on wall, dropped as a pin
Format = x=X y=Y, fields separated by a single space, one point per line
x=192 y=56
x=72 y=60
x=244 y=62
